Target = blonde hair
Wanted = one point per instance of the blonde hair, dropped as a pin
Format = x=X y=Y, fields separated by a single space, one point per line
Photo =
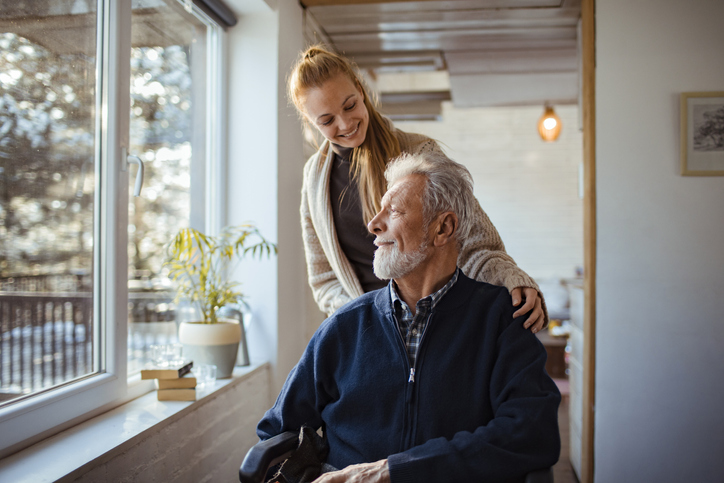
x=317 y=65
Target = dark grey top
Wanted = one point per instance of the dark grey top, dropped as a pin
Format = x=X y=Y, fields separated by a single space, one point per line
x=356 y=242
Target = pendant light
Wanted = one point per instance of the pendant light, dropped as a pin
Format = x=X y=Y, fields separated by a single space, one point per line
x=549 y=125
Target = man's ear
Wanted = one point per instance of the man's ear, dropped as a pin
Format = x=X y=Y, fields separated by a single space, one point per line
x=446 y=225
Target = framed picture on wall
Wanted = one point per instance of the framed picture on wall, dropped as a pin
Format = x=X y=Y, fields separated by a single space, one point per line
x=702 y=133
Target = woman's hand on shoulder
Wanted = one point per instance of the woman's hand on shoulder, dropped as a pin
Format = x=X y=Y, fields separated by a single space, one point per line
x=533 y=306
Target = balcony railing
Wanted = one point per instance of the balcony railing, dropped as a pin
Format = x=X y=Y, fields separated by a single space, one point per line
x=46 y=337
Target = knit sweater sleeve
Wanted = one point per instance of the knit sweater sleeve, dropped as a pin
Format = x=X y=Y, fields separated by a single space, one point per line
x=522 y=436
x=326 y=287
x=483 y=256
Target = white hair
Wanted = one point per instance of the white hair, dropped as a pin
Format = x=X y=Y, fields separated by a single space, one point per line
x=449 y=187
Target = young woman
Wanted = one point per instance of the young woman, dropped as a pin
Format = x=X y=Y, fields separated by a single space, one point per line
x=344 y=183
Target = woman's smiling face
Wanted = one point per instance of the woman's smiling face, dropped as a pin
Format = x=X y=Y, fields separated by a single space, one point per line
x=337 y=109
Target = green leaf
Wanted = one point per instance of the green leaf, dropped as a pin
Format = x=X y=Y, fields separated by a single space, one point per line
x=199 y=265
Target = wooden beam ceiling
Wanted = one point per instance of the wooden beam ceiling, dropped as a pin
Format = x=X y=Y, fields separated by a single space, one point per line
x=533 y=38
x=452 y=3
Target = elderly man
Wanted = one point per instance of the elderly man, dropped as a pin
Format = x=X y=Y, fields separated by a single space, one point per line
x=430 y=378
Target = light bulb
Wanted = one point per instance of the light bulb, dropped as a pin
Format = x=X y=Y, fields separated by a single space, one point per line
x=549 y=125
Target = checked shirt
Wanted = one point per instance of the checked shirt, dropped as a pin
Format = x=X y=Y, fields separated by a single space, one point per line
x=413 y=327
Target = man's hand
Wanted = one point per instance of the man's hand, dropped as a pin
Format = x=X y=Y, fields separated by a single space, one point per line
x=376 y=472
x=533 y=304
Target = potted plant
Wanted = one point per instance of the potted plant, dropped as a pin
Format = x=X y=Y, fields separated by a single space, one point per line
x=200 y=264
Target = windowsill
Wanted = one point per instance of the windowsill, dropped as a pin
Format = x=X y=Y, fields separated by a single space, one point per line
x=99 y=439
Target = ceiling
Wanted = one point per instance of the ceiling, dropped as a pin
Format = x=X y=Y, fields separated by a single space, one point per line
x=493 y=52
x=417 y=54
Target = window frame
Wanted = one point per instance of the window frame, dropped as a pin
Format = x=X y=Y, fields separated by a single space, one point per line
x=32 y=419
x=212 y=185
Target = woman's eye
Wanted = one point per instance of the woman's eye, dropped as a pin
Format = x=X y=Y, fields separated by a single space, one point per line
x=328 y=122
x=349 y=108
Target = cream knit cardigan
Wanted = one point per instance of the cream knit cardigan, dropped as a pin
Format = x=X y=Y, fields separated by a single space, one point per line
x=332 y=277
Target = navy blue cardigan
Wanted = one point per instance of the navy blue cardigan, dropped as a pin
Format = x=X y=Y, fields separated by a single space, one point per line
x=481 y=406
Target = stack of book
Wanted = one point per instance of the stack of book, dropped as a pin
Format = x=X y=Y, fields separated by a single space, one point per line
x=174 y=383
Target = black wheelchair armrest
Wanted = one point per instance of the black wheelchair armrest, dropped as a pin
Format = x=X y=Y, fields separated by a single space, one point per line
x=266 y=454
x=276 y=449
x=540 y=476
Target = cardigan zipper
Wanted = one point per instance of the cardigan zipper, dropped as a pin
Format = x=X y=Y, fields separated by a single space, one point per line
x=419 y=347
x=411 y=402
x=408 y=394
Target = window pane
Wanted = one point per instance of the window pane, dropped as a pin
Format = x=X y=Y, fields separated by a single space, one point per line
x=168 y=105
x=47 y=189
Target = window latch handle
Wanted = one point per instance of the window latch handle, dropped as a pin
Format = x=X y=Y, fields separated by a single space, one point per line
x=133 y=159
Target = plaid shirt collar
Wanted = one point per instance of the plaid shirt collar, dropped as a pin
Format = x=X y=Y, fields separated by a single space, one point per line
x=433 y=298
x=413 y=327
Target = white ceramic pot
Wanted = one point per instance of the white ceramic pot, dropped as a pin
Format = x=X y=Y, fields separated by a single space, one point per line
x=211 y=344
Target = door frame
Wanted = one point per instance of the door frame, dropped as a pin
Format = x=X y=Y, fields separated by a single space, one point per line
x=588 y=75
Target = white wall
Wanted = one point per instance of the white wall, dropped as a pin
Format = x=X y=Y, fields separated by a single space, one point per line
x=292 y=271
x=660 y=330
x=528 y=188
x=265 y=173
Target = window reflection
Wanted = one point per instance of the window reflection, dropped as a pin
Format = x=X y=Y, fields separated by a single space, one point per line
x=47 y=189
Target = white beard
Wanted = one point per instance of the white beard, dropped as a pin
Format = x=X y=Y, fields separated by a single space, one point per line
x=389 y=262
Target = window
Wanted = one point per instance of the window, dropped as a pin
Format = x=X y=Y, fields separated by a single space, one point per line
x=74 y=322
x=168 y=132
x=48 y=186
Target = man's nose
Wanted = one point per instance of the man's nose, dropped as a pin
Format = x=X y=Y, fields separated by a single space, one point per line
x=375 y=224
